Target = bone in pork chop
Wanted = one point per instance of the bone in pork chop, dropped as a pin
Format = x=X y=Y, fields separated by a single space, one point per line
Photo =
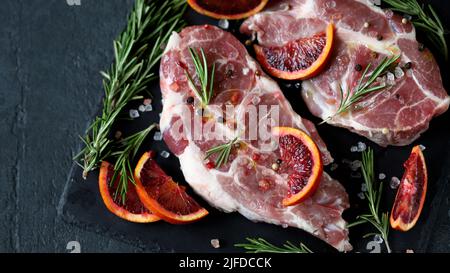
x=365 y=34
x=246 y=183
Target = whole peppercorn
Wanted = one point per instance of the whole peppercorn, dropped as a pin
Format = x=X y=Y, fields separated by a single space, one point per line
x=408 y=65
x=190 y=100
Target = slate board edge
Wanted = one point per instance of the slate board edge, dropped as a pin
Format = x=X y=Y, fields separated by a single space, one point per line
x=431 y=220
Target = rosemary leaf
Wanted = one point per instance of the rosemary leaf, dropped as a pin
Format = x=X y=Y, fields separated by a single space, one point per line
x=260 y=245
x=365 y=86
x=136 y=51
x=223 y=151
x=429 y=22
x=206 y=79
x=126 y=151
x=373 y=196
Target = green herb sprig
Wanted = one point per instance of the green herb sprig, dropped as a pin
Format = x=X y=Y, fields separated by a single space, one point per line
x=373 y=195
x=126 y=151
x=262 y=246
x=206 y=78
x=137 y=52
x=429 y=22
x=365 y=86
x=223 y=152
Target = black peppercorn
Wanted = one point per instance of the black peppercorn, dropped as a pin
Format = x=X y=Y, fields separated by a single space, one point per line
x=221 y=119
x=190 y=100
x=279 y=161
x=358 y=67
x=408 y=65
x=379 y=37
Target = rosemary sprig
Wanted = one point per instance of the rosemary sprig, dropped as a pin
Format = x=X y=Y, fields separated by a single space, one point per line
x=365 y=86
x=137 y=52
x=430 y=22
x=373 y=196
x=262 y=246
x=206 y=79
x=128 y=147
x=224 y=152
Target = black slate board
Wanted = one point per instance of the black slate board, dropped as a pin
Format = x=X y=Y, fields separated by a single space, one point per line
x=81 y=203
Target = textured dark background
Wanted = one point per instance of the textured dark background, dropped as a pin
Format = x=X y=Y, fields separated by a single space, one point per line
x=50 y=88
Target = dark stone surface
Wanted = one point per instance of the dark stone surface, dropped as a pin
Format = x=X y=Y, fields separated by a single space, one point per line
x=50 y=88
x=49 y=91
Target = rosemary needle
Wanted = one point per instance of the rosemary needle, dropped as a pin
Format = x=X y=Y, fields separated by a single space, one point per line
x=126 y=151
x=430 y=22
x=206 y=79
x=365 y=86
x=223 y=152
x=260 y=245
x=137 y=52
x=373 y=195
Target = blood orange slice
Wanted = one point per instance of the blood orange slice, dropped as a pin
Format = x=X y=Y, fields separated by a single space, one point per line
x=132 y=210
x=233 y=10
x=411 y=193
x=303 y=163
x=298 y=60
x=164 y=197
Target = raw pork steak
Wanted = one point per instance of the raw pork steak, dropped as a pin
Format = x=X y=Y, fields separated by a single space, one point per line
x=247 y=183
x=395 y=116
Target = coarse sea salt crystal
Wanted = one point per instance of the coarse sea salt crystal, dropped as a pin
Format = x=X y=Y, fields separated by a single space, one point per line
x=381 y=176
x=378 y=239
x=355 y=165
x=141 y=108
x=362 y=146
x=361 y=196
x=354 y=149
x=422 y=147
x=398 y=72
x=390 y=78
x=245 y=71
x=134 y=113
x=157 y=136
x=363 y=187
x=224 y=24
x=165 y=154
x=148 y=108
x=298 y=85
x=355 y=175
x=215 y=243
x=394 y=183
